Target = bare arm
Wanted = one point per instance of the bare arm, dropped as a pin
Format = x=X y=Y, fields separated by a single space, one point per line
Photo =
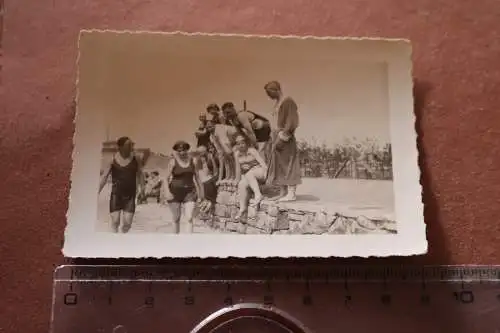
x=104 y=177
x=198 y=184
x=220 y=157
x=237 y=167
x=288 y=116
x=141 y=181
x=145 y=157
x=168 y=173
x=259 y=158
x=247 y=126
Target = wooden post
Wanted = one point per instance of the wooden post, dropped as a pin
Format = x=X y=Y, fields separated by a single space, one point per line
x=244 y=105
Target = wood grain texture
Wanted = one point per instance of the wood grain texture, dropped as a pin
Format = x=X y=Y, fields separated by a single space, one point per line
x=457 y=91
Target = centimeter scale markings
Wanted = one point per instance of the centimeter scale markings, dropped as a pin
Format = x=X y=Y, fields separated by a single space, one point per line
x=317 y=299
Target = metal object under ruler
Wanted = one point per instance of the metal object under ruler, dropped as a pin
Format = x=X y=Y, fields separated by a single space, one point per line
x=274 y=299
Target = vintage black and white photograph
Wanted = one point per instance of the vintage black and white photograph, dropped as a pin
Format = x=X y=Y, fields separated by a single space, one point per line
x=206 y=145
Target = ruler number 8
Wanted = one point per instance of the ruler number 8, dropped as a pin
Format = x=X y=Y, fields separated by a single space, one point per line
x=464 y=296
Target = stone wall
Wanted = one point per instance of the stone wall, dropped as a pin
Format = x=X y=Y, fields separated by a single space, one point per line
x=290 y=218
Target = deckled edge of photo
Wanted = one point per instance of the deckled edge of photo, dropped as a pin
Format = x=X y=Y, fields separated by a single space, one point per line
x=98 y=245
x=68 y=227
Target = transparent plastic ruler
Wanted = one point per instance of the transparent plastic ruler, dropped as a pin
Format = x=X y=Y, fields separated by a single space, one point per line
x=274 y=299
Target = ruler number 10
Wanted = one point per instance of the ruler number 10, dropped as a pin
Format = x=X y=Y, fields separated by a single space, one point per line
x=464 y=296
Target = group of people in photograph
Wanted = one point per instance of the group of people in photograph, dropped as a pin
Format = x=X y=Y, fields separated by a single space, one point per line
x=237 y=146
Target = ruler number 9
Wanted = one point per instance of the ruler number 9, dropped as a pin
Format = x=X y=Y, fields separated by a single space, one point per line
x=464 y=296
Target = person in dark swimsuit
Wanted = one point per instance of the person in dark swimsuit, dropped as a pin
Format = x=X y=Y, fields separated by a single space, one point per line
x=183 y=186
x=207 y=173
x=254 y=126
x=127 y=181
x=202 y=134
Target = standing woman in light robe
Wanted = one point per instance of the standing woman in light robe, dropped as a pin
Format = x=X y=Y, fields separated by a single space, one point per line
x=284 y=166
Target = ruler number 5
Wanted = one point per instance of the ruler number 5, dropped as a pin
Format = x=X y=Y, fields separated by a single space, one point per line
x=464 y=296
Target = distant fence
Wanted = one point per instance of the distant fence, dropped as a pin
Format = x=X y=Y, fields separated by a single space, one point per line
x=347 y=169
x=354 y=161
x=365 y=160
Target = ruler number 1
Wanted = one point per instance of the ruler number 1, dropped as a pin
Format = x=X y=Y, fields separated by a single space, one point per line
x=189 y=300
x=464 y=296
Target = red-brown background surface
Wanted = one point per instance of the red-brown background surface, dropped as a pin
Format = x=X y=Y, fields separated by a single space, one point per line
x=457 y=72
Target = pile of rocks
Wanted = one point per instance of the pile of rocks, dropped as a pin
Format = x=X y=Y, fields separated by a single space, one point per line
x=289 y=218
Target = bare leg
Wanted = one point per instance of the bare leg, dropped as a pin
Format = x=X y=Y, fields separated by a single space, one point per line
x=188 y=215
x=127 y=221
x=221 y=167
x=261 y=147
x=175 y=210
x=243 y=196
x=230 y=168
x=253 y=176
x=115 y=221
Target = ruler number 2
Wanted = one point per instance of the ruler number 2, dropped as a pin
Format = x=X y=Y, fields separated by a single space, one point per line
x=464 y=296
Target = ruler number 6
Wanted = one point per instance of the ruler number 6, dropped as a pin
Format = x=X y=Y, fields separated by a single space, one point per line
x=464 y=296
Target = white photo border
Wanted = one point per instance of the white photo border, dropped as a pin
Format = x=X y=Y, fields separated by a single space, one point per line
x=82 y=240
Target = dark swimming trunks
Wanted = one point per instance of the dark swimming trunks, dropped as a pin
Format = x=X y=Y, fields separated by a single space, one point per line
x=203 y=137
x=210 y=190
x=124 y=186
x=262 y=134
x=204 y=140
x=182 y=184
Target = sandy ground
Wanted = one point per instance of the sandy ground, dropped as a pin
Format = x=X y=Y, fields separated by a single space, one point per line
x=149 y=218
x=350 y=197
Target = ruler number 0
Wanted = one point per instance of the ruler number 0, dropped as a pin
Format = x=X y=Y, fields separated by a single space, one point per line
x=464 y=296
x=70 y=299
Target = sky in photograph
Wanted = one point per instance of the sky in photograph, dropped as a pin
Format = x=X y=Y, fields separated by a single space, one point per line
x=156 y=99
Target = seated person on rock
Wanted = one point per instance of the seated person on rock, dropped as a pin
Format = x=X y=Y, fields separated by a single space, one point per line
x=250 y=170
